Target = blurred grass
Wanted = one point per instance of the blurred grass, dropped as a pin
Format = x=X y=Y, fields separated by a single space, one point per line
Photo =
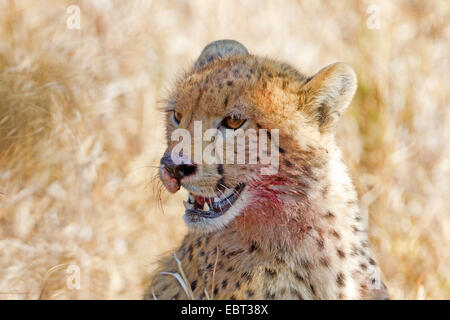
x=80 y=131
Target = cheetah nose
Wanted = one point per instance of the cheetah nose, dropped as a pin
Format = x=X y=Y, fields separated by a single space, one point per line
x=177 y=171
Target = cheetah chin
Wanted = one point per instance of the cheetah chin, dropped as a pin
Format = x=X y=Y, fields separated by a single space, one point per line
x=212 y=213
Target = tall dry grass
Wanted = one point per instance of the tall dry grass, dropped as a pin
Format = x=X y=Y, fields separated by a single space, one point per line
x=80 y=132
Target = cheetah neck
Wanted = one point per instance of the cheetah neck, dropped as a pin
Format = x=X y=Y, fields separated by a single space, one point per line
x=317 y=235
x=286 y=212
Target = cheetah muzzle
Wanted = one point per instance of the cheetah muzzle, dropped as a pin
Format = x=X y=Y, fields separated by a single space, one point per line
x=198 y=207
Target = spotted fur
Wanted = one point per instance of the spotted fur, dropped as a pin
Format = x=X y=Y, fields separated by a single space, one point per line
x=297 y=234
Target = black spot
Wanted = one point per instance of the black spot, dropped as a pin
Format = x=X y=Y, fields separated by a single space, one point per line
x=299 y=276
x=230 y=269
x=229 y=83
x=371 y=261
x=363 y=266
x=288 y=163
x=270 y=272
x=270 y=296
x=322 y=113
x=279 y=260
x=246 y=275
x=330 y=215
x=233 y=253
x=340 y=279
x=340 y=253
x=193 y=285
x=175 y=297
x=233 y=297
x=202 y=253
x=320 y=244
x=313 y=290
x=216 y=290
x=253 y=247
x=225 y=102
x=224 y=284
x=335 y=234
x=305 y=264
x=296 y=294
x=209 y=266
x=250 y=293
x=324 y=261
x=198 y=243
x=238 y=285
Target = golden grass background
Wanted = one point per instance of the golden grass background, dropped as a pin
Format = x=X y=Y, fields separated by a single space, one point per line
x=80 y=132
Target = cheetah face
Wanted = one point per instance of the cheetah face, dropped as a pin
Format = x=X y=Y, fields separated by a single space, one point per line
x=232 y=93
x=218 y=191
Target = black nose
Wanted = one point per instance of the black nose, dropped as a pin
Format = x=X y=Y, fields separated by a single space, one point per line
x=178 y=171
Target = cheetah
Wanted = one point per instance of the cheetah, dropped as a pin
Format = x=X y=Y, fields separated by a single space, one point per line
x=297 y=233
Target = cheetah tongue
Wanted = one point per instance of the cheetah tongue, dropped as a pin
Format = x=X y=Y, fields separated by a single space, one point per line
x=200 y=200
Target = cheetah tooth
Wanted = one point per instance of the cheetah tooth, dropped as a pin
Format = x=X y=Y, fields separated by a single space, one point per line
x=206 y=207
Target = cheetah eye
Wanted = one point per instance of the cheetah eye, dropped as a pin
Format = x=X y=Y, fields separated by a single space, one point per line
x=233 y=122
x=176 y=117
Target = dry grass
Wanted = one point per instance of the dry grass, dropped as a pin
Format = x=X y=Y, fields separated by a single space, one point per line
x=80 y=132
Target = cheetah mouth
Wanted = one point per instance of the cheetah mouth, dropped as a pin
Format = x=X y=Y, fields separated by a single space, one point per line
x=212 y=207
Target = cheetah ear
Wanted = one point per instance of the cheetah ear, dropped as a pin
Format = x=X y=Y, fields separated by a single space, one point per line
x=328 y=93
x=219 y=49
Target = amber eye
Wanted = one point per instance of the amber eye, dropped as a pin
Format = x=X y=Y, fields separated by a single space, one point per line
x=177 y=117
x=233 y=122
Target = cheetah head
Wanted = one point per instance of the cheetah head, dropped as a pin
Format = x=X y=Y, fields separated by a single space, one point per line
x=233 y=93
